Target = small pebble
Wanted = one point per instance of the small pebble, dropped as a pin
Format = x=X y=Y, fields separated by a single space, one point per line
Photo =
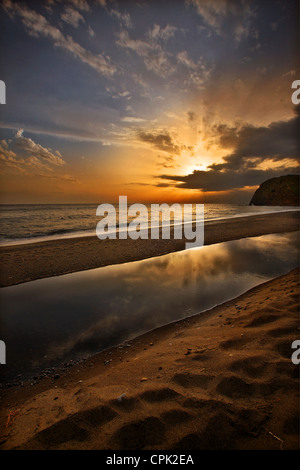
x=121 y=397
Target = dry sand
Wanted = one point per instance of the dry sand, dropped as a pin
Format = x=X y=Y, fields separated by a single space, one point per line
x=22 y=263
x=222 y=379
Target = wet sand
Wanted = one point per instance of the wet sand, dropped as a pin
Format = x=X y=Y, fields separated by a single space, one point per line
x=222 y=379
x=23 y=263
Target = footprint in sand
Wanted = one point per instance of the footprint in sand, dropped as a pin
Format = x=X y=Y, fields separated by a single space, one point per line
x=188 y=380
x=73 y=428
x=236 y=343
x=159 y=395
x=278 y=332
x=175 y=416
x=284 y=348
x=255 y=366
x=235 y=387
x=262 y=320
x=139 y=434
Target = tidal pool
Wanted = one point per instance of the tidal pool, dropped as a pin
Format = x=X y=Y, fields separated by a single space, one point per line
x=48 y=322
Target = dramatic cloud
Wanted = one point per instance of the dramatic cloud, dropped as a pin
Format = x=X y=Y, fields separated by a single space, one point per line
x=31 y=159
x=252 y=145
x=36 y=150
x=259 y=153
x=218 y=181
x=28 y=155
x=189 y=85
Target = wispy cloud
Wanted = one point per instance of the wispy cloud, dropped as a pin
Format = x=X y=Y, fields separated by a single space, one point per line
x=71 y=16
x=79 y=4
x=153 y=54
x=162 y=140
x=132 y=119
x=183 y=58
x=215 y=12
x=123 y=17
x=197 y=73
x=38 y=26
x=166 y=161
x=158 y=32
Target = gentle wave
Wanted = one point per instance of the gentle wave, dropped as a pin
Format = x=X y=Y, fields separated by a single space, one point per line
x=21 y=224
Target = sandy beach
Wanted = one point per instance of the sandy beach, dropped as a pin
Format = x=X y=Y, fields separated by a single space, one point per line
x=176 y=125
x=22 y=263
x=221 y=379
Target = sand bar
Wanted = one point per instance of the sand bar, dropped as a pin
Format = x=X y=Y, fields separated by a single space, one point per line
x=22 y=263
x=222 y=379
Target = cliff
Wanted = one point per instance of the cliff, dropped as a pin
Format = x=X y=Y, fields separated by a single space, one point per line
x=281 y=191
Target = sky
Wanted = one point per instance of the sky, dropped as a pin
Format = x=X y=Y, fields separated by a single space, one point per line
x=158 y=100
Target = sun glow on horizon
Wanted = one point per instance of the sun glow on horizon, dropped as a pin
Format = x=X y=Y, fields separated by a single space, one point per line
x=176 y=105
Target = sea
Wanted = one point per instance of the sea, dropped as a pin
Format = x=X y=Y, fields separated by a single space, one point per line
x=25 y=223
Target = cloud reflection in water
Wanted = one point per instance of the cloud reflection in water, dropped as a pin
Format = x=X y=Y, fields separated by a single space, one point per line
x=50 y=321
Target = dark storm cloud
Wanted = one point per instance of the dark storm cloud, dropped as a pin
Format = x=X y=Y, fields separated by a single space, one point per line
x=252 y=146
x=218 y=181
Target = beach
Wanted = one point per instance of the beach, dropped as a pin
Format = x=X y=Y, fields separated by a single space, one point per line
x=221 y=379
x=149 y=229
x=27 y=262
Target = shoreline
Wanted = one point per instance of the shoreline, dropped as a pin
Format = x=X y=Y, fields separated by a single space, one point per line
x=91 y=233
x=230 y=364
x=38 y=260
